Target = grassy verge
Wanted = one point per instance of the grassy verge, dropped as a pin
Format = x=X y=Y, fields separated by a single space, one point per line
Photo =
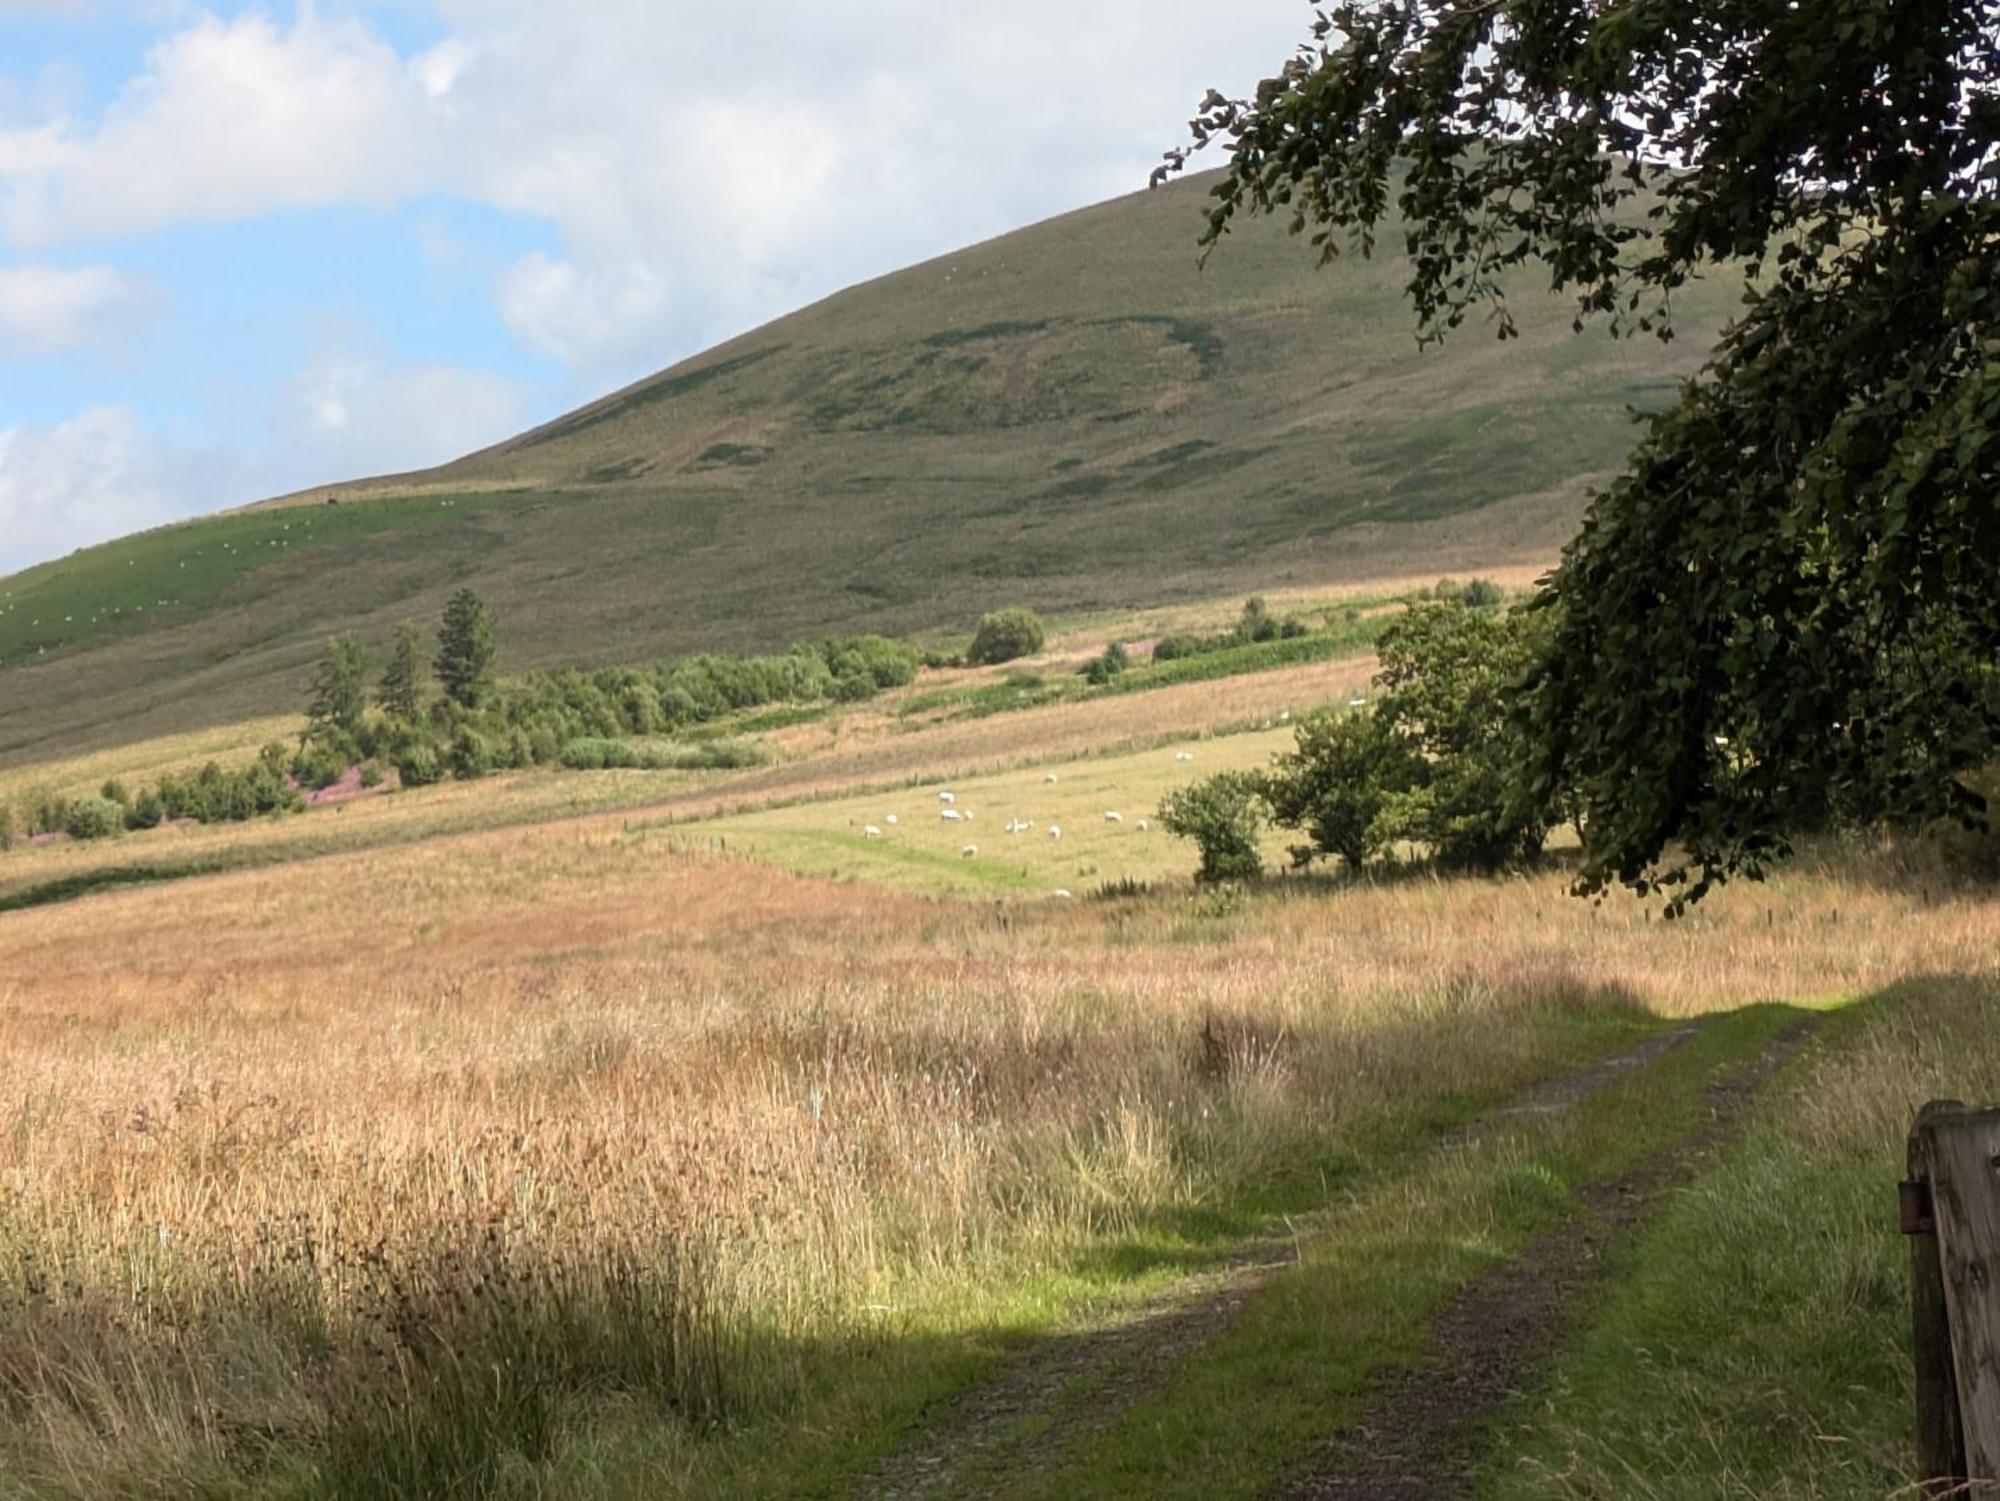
x=1295 y=1368
x=862 y=1398
x=1755 y=1345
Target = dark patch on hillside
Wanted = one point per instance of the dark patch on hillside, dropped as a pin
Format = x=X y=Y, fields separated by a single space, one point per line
x=666 y=388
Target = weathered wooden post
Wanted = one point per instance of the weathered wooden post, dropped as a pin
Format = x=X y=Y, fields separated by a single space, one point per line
x=1952 y=1213
x=1940 y=1441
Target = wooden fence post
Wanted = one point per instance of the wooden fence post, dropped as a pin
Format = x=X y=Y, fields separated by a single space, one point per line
x=1940 y=1440
x=1958 y=1152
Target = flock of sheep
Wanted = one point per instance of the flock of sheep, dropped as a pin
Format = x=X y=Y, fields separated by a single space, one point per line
x=949 y=811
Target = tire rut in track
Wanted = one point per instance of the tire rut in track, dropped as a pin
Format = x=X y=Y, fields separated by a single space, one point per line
x=1420 y=1435
x=1083 y=1379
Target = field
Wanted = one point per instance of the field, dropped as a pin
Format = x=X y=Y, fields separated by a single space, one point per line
x=1074 y=417
x=638 y=1135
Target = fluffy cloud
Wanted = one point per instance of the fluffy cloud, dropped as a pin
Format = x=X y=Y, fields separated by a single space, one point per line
x=704 y=167
x=355 y=417
x=229 y=119
x=97 y=476
x=48 y=308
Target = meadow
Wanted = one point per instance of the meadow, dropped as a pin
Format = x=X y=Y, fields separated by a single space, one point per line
x=632 y=1134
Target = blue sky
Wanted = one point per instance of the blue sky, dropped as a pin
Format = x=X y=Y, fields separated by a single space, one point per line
x=244 y=249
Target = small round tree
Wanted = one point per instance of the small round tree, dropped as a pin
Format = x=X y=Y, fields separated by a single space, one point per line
x=1004 y=635
x=1221 y=815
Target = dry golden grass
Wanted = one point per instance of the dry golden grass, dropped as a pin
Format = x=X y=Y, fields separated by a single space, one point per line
x=289 y=1152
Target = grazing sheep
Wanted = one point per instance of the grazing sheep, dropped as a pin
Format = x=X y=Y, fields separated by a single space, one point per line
x=1285 y=718
x=967 y=814
x=1050 y=779
x=947 y=797
x=1055 y=831
x=949 y=815
x=968 y=852
x=1062 y=891
x=1114 y=818
x=871 y=832
x=1183 y=755
x=1357 y=701
x=1144 y=826
x=890 y=819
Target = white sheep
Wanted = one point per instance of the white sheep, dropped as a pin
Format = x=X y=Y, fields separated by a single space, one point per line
x=1010 y=827
x=968 y=852
x=890 y=819
x=1114 y=818
x=947 y=797
x=1183 y=755
x=1144 y=826
x=949 y=815
x=871 y=832
x=1062 y=891
x=1049 y=780
x=1055 y=831
x=966 y=814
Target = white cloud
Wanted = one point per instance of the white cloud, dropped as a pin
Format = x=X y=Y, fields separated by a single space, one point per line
x=97 y=476
x=353 y=417
x=47 y=308
x=704 y=167
x=229 y=119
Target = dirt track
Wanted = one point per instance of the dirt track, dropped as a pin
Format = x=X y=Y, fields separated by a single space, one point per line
x=1419 y=1438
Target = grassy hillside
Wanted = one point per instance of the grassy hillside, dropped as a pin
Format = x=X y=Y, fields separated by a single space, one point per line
x=1074 y=416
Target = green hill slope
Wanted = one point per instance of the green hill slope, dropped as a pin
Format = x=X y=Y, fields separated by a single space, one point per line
x=1071 y=416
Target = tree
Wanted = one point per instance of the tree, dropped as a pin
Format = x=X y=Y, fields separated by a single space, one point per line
x=465 y=650
x=400 y=693
x=339 y=689
x=1787 y=607
x=1004 y=635
x=1221 y=815
x=1337 y=783
x=1446 y=693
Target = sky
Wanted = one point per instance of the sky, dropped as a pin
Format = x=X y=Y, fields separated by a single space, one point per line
x=247 y=249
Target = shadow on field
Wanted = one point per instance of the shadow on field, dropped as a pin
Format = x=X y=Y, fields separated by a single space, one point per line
x=68 y=888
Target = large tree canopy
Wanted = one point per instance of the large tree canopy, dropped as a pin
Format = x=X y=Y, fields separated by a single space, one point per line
x=1787 y=608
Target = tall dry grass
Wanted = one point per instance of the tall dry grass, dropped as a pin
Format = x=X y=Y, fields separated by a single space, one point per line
x=380 y=1174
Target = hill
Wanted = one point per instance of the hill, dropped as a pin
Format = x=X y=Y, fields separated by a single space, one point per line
x=1074 y=416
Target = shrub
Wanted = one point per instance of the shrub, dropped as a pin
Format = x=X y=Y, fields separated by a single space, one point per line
x=1221 y=815
x=371 y=775
x=1004 y=635
x=114 y=791
x=471 y=755
x=596 y=753
x=418 y=762
x=1336 y=785
x=319 y=764
x=10 y=826
x=94 y=818
x=1180 y=644
x=1110 y=664
x=1256 y=622
x=149 y=810
x=1481 y=594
